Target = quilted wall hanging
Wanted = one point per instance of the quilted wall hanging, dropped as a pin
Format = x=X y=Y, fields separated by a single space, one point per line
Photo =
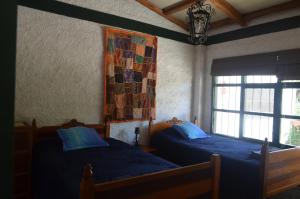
x=130 y=75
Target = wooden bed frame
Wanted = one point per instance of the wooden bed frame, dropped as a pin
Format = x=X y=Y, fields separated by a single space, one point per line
x=200 y=180
x=280 y=170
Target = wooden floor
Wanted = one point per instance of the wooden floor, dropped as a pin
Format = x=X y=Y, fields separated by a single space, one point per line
x=291 y=194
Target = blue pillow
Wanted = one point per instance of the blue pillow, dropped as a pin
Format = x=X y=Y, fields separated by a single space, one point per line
x=80 y=138
x=190 y=130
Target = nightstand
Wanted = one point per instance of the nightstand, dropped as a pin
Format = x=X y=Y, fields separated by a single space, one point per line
x=22 y=162
x=148 y=149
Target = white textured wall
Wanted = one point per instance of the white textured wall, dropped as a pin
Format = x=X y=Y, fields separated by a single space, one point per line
x=198 y=83
x=289 y=39
x=59 y=68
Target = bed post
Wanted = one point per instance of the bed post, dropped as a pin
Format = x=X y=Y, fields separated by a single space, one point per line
x=106 y=127
x=216 y=167
x=264 y=167
x=195 y=120
x=150 y=126
x=34 y=131
x=87 y=183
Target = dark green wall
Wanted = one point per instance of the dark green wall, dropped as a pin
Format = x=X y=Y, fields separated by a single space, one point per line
x=7 y=89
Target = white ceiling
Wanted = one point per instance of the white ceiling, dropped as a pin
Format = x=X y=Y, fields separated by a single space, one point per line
x=243 y=6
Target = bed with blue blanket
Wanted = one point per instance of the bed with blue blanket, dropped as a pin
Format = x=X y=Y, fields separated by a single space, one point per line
x=111 y=170
x=119 y=160
x=245 y=173
x=240 y=170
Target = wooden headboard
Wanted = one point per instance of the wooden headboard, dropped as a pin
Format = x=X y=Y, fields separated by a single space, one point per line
x=170 y=122
x=50 y=131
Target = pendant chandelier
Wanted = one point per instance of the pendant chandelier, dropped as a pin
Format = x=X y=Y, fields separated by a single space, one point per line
x=199 y=15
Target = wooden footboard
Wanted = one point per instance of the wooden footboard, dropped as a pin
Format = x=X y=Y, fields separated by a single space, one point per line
x=192 y=181
x=281 y=170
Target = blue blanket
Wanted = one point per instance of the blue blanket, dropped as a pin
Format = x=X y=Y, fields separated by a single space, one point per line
x=57 y=174
x=240 y=176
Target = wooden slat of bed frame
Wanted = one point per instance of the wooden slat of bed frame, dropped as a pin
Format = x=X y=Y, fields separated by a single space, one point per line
x=282 y=184
x=283 y=170
x=284 y=155
x=195 y=181
x=149 y=191
x=154 y=176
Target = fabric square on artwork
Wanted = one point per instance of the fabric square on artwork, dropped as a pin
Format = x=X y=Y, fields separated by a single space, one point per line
x=153 y=55
x=149 y=42
x=137 y=113
x=129 y=63
x=152 y=101
x=148 y=51
x=118 y=42
x=133 y=47
x=122 y=43
x=151 y=75
x=128 y=53
x=150 y=91
x=143 y=99
x=119 y=88
x=128 y=98
x=119 y=100
x=128 y=76
x=128 y=111
x=146 y=113
x=110 y=59
x=111 y=45
x=145 y=70
x=138 y=77
x=137 y=88
x=119 y=78
x=138 y=59
x=120 y=113
x=111 y=70
x=140 y=50
x=129 y=87
x=151 y=82
x=137 y=67
x=144 y=85
x=119 y=70
x=153 y=111
x=148 y=60
x=138 y=40
x=126 y=43
x=153 y=68
x=118 y=57
x=136 y=101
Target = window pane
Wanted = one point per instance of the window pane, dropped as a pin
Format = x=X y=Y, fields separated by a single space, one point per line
x=256 y=79
x=258 y=127
x=228 y=79
x=227 y=97
x=226 y=123
x=290 y=132
x=259 y=100
x=290 y=80
x=291 y=101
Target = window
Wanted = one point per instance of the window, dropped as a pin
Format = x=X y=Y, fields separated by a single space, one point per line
x=290 y=114
x=256 y=107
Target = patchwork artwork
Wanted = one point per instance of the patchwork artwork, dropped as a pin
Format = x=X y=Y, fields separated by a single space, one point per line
x=130 y=75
